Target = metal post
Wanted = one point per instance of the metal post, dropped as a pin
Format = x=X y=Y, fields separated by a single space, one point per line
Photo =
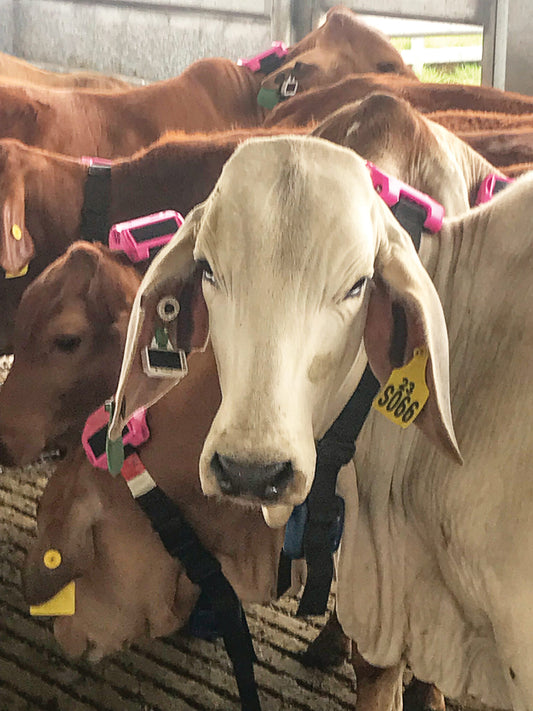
x=500 y=43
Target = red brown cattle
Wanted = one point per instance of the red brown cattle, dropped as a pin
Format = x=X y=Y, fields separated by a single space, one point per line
x=127 y=585
x=504 y=147
x=405 y=143
x=13 y=68
x=178 y=172
x=211 y=94
x=39 y=403
x=343 y=45
x=462 y=121
x=316 y=104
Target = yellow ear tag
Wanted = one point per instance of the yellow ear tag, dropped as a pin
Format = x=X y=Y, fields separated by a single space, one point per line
x=405 y=393
x=63 y=603
x=16 y=232
x=22 y=272
x=52 y=559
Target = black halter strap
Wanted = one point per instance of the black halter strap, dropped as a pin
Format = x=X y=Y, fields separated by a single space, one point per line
x=203 y=569
x=95 y=221
x=334 y=450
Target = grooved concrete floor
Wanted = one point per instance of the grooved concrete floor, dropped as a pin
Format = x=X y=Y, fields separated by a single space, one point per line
x=171 y=674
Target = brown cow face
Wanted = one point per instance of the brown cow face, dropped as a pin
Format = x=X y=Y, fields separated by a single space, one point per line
x=69 y=334
x=343 y=45
x=127 y=586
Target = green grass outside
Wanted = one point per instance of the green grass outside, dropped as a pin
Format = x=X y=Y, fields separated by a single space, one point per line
x=467 y=73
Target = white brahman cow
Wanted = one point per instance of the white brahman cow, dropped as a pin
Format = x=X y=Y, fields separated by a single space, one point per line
x=305 y=273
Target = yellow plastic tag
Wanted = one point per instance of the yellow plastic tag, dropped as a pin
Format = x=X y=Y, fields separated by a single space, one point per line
x=405 y=392
x=64 y=603
x=22 y=272
x=16 y=232
x=52 y=559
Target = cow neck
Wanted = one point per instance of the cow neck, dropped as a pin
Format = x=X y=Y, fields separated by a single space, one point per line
x=320 y=527
x=217 y=597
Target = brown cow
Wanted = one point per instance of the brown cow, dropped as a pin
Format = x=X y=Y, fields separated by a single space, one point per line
x=396 y=136
x=128 y=585
x=343 y=45
x=462 y=121
x=211 y=94
x=504 y=147
x=32 y=413
x=16 y=69
x=316 y=104
x=177 y=172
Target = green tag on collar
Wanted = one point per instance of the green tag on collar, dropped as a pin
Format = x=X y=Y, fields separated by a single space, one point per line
x=268 y=98
x=114 y=448
x=405 y=393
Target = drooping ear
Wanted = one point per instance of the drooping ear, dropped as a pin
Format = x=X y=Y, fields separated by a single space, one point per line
x=172 y=274
x=64 y=549
x=16 y=248
x=404 y=314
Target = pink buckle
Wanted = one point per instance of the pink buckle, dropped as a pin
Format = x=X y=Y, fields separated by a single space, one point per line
x=93 y=437
x=278 y=49
x=391 y=189
x=93 y=160
x=137 y=237
x=486 y=189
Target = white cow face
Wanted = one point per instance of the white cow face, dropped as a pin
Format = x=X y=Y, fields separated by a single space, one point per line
x=294 y=252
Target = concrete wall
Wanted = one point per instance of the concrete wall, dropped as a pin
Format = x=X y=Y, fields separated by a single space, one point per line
x=152 y=40
x=520 y=47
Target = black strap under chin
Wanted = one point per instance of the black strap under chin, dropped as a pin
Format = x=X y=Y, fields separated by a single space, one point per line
x=334 y=450
x=95 y=220
x=203 y=569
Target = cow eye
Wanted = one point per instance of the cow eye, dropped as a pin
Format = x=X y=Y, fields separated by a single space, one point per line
x=67 y=343
x=207 y=274
x=356 y=289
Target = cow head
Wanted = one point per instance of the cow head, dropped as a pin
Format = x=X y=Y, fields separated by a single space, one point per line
x=127 y=586
x=342 y=45
x=70 y=331
x=303 y=269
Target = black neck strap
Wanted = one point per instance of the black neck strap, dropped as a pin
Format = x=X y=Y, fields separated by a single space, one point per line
x=95 y=220
x=334 y=450
x=203 y=569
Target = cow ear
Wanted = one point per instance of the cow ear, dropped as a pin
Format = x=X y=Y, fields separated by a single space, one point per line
x=17 y=246
x=172 y=278
x=69 y=509
x=405 y=314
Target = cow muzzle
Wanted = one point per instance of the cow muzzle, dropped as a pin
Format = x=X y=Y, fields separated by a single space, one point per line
x=260 y=482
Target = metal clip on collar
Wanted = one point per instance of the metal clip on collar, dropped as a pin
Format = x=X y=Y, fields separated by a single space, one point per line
x=289 y=87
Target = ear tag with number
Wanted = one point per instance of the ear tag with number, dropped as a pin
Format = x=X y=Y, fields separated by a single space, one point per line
x=405 y=393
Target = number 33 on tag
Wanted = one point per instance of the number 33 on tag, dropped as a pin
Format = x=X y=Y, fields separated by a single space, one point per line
x=404 y=394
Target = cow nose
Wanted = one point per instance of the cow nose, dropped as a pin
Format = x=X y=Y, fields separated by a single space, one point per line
x=261 y=481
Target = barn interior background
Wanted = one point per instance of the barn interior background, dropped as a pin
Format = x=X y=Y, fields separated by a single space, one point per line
x=156 y=39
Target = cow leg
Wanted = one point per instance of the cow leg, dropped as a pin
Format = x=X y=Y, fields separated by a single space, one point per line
x=377 y=689
x=420 y=696
x=330 y=649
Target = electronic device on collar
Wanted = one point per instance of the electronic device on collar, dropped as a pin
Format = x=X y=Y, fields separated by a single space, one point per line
x=491 y=185
x=267 y=61
x=140 y=238
x=94 y=434
x=392 y=190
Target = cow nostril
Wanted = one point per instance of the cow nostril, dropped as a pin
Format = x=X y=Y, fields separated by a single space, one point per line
x=280 y=476
x=265 y=482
